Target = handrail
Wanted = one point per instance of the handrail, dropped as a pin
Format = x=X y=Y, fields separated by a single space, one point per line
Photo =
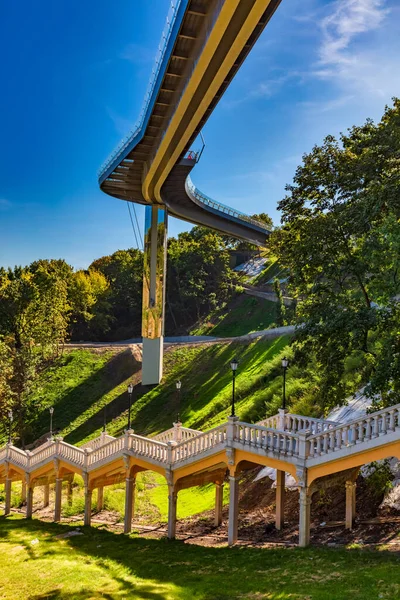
x=165 y=37
x=202 y=198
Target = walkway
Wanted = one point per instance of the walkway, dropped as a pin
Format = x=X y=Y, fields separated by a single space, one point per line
x=309 y=449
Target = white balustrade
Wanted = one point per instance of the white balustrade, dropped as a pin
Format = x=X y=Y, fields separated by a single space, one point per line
x=257 y=436
x=200 y=443
x=70 y=453
x=355 y=432
x=106 y=451
x=150 y=448
x=270 y=422
x=298 y=423
x=41 y=453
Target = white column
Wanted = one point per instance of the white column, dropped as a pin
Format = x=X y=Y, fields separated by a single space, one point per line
x=7 y=508
x=69 y=492
x=219 y=497
x=129 y=503
x=280 y=499
x=100 y=498
x=172 y=502
x=233 y=509
x=88 y=505
x=29 y=501
x=304 y=517
x=57 y=504
x=46 y=495
x=23 y=492
x=350 y=504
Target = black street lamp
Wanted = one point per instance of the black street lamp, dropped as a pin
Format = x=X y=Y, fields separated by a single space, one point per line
x=178 y=391
x=234 y=366
x=10 y=420
x=285 y=364
x=51 y=411
x=104 y=418
x=130 y=390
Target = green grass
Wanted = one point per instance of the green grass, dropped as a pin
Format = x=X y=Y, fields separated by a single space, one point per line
x=272 y=270
x=35 y=565
x=243 y=315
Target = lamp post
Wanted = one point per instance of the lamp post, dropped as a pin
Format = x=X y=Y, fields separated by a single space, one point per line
x=104 y=418
x=285 y=364
x=130 y=390
x=234 y=366
x=178 y=391
x=51 y=411
x=10 y=420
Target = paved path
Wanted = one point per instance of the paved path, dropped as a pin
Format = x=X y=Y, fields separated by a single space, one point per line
x=193 y=339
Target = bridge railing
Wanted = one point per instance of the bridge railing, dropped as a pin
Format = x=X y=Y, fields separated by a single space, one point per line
x=149 y=448
x=123 y=145
x=275 y=440
x=354 y=432
x=298 y=423
x=200 y=443
x=202 y=198
x=41 y=453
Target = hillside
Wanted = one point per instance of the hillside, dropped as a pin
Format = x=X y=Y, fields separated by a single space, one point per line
x=82 y=383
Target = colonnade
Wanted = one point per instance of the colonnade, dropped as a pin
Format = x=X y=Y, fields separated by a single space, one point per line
x=305 y=500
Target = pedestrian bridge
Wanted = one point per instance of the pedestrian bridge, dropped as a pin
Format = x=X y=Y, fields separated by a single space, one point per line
x=309 y=449
x=203 y=46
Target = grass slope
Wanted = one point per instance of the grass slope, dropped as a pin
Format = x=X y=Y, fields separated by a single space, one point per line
x=99 y=564
x=243 y=315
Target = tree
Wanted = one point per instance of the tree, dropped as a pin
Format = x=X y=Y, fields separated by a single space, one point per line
x=340 y=241
x=89 y=295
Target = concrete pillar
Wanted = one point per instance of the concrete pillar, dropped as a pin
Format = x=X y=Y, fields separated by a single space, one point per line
x=350 y=504
x=69 y=492
x=29 y=501
x=129 y=503
x=7 y=508
x=280 y=499
x=58 y=498
x=219 y=497
x=172 y=502
x=304 y=517
x=154 y=272
x=46 y=495
x=100 y=498
x=233 y=509
x=88 y=506
x=130 y=484
x=23 y=492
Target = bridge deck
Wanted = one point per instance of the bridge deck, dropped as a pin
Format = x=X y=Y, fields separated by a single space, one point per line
x=180 y=99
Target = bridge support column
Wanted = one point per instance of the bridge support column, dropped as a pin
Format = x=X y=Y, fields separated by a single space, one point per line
x=58 y=498
x=280 y=499
x=304 y=517
x=8 y=487
x=172 y=502
x=350 y=504
x=154 y=278
x=88 y=506
x=219 y=497
x=23 y=492
x=46 y=495
x=29 y=501
x=69 y=492
x=233 y=509
x=100 y=498
x=130 y=486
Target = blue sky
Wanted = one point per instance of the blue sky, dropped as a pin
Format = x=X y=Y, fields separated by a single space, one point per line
x=73 y=79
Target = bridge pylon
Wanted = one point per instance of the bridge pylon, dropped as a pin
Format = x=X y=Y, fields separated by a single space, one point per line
x=154 y=281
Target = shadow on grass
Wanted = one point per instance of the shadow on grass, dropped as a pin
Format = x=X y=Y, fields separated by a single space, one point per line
x=145 y=568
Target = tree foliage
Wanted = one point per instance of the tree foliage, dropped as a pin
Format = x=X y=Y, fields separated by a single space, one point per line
x=341 y=241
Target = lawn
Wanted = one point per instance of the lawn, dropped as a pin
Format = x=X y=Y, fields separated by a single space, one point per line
x=36 y=564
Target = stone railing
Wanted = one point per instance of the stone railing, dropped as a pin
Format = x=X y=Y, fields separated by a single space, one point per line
x=307 y=438
x=257 y=436
x=371 y=426
x=165 y=436
x=300 y=423
x=142 y=446
x=176 y=433
x=102 y=439
x=201 y=443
